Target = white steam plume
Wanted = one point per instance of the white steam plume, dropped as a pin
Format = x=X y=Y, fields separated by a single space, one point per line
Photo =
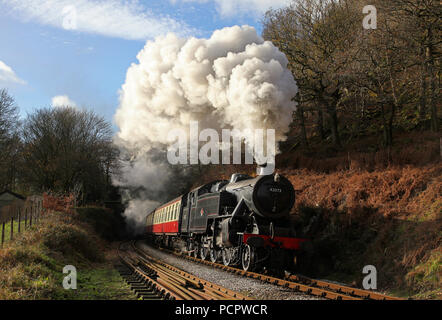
x=233 y=80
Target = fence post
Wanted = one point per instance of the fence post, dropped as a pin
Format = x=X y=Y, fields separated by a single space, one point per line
x=3 y=233
x=12 y=228
x=19 y=220
x=30 y=218
x=26 y=217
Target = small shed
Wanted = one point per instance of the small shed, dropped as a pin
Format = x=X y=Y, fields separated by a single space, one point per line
x=9 y=199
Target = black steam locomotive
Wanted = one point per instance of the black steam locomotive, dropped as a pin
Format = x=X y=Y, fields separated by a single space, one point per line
x=244 y=221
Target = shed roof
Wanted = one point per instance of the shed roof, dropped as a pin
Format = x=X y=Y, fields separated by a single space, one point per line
x=14 y=194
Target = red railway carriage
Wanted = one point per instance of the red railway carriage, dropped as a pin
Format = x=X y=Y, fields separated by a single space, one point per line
x=165 y=219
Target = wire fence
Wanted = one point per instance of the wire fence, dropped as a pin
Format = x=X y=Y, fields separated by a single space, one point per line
x=18 y=216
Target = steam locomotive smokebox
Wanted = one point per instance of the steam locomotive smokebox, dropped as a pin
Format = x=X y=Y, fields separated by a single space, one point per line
x=270 y=196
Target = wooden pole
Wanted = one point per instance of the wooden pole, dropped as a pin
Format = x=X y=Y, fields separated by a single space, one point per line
x=12 y=228
x=19 y=220
x=26 y=217
x=3 y=233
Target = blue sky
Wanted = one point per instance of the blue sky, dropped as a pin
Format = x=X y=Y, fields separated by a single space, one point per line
x=78 y=51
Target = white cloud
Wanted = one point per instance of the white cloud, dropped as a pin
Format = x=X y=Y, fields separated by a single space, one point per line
x=62 y=101
x=232 y=8
x=8 y=76
x=114 y=18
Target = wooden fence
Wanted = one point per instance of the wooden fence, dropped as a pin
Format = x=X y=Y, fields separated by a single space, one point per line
x=20 y=215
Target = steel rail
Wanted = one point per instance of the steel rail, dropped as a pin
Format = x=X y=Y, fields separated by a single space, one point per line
x=214 y=290
x=146 y=282
x=147 y=274
x=302 y=284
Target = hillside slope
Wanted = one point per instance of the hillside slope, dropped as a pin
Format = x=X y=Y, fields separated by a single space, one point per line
x=32 y=265
x=366 y=205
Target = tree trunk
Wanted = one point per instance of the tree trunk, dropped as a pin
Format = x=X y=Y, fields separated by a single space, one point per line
x=390 y=126
x=423 y=94
x=432 y=76
x=300 y=112
x=320 y=123
x=333 y=118
x=433 y=91
x=387 y=126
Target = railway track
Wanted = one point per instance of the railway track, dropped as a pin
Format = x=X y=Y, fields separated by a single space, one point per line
x=301 y=284
x=152 y=279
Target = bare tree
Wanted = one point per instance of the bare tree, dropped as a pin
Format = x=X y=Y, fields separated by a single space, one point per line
x=316 y=36
x=420 y=21
x=9 y=140
x=68 y=150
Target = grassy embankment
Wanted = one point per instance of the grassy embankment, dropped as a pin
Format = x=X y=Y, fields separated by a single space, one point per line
x=366 y=205
x=32 y=264
x=7 y=230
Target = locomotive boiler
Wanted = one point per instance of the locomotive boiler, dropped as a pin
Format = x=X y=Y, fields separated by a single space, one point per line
x=242 y=222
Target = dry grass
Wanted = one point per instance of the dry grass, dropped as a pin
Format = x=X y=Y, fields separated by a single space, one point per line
x=390 y=218
x=31 y=266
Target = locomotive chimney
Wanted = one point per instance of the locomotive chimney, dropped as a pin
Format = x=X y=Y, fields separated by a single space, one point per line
x=264 y=169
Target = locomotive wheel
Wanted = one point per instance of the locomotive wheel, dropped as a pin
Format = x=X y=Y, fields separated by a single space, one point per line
x=203 y=252
x=248 y=258
x=214 y=253
x=189 y=249
x=196 y=249
x=226 y=256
